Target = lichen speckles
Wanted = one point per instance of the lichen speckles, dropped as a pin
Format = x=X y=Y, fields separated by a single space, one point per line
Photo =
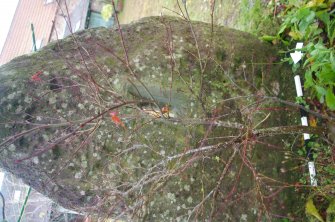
x=81 y=106
x=35 y=160
x=171 y=197
x=55 y=189
x=28 y=99
x=11 y=96
x=12 y=147
x=244 y=217
x=275 y=87
x=187 y=187
x=78 y=175
x=52 y=100
x=64 y=105
x=84 y=164
x=147 y=52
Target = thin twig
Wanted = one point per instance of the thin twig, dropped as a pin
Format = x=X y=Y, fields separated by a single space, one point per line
x=3 y=206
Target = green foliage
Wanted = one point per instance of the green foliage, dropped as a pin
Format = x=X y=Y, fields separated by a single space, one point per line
x=269 y=38
x=320 y=72
x=322 y=154
x=302 y=101
x=330 y=98
x=107 y=12
x=313 y=23
x=312 y=211
x=324 y=193
x=256 y=18
x=331 y=211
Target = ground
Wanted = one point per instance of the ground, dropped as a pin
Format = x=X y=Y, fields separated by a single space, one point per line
x=226 y=12
x=253 y=16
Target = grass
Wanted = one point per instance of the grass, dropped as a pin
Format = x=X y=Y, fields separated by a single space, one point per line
x=245 y=15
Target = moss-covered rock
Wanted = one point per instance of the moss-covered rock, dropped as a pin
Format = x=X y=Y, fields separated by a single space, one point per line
x=189 y=99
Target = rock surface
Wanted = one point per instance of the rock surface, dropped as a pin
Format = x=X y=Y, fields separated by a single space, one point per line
x=189 y=98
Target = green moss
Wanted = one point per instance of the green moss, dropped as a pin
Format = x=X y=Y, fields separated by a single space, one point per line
x=98 y=166
x=221 y=54
x=57 y=152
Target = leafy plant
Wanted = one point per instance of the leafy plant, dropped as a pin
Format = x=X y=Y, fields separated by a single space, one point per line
x=107 y=12
x=108 y=9
x=313 y=23
x=257 y=19
x=331 y=211
x=312 y=211
x=320 y=72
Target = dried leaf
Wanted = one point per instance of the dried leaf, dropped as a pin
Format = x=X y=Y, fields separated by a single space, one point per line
x=311 y=210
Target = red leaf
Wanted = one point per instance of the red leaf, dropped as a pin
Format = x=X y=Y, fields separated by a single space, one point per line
x=116 y=119
x=36 y=76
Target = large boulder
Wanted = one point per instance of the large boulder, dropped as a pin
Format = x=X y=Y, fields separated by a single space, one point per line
x=180 y=143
